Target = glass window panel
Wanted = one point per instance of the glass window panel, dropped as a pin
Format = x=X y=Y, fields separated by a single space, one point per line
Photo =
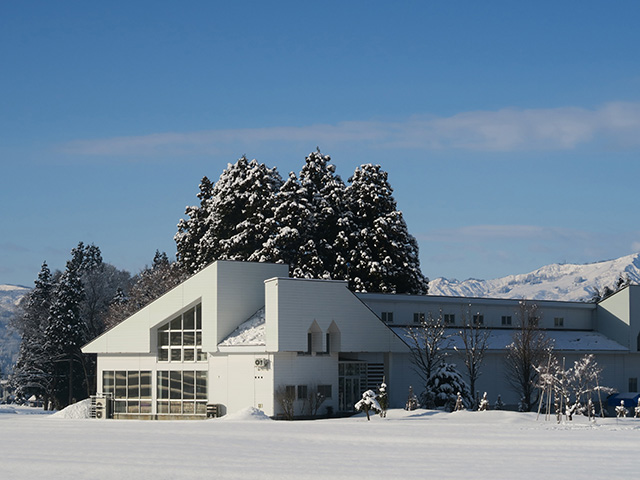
x=188 y=408
x=163 y=339
x=163 y=355
x=198 y=338
x=199 y=317
x=189 y=338
x=133 y=390
x=176 y=323
x=164 y=327
x=133 y=406
x=188 y=320
x=189 y=355
x=176 y=354
x=163 y=384
x=145 y=407
x=188 y=385
x=121 y=384
x=145 y=384
x=201 y=385
x=120 y=406
x=202 y=356
x=175 y=382
x=163 y=407
x=175 y=408
x=201 y=408
x=176 y=338
x=107 y=381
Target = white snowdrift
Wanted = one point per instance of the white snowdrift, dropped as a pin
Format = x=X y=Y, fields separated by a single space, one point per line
x=247 y=414
x=81 y=409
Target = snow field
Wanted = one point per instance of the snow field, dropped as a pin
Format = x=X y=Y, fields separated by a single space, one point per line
x=420 y=444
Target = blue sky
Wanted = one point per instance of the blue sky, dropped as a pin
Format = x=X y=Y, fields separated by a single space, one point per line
x=510 y=130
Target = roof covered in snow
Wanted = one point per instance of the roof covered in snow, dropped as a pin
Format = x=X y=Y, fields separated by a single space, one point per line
x=563 y=340
x=249 y=333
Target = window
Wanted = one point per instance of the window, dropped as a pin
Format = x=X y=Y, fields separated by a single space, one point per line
x=558 y=322
x=131 y=390
x=182 y=392
x=506 y=320
x=387 y=317
x=324 y=391
x=418 y=317
x=478 y=319
x=180 y=340
x=302 y=392
x=533 y=321
x=633 y=384
x=449 y=319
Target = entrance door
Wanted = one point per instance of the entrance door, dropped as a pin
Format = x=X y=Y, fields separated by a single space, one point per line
x=352 y=378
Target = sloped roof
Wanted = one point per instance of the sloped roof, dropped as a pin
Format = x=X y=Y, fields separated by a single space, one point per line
x=251 y=332
x=563 y=340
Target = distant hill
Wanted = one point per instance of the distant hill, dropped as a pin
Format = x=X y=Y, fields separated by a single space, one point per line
x=552 y=282
x=10 y=296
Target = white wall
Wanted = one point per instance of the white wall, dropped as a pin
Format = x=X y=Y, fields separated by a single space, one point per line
x=236 y=382
x=293 y=305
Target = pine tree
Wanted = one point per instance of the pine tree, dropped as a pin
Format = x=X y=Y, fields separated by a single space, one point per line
x=289 y=231
x=230 y=222
x=324 y=192
x=192 y=230
x=445 y=383
x=383 y=256
x=33 y=374
x=66 y=334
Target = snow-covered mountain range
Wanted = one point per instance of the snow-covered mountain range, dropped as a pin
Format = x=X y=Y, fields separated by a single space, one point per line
x=552 y=282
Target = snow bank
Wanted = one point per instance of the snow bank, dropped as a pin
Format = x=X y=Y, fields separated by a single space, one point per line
x=81 y=409
x=248 y=414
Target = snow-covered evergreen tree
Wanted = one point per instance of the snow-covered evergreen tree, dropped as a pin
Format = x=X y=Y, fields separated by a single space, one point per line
x=484 y=403
x=66 y=334
x=32 y=374
x=499 y=405
x=637 y=410
x=230 y=223
x=289 y=232
x=383 y=399
x=412 y=400
x=367 y=403
x=383 y=256
x=189 y=248
x=324 y=191
x=445 y=383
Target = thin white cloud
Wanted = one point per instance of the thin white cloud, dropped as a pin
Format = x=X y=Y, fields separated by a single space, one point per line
x=483 y=233
x=510 y=129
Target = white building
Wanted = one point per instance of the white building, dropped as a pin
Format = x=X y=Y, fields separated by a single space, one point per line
x=241 y=334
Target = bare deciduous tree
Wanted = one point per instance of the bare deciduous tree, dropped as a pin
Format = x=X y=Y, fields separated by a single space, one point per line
x=474 y=338
x=427 y=344
x=529 y=349
x=285 y=396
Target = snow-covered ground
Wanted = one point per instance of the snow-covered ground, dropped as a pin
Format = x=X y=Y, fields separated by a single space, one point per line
x=421 y=444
